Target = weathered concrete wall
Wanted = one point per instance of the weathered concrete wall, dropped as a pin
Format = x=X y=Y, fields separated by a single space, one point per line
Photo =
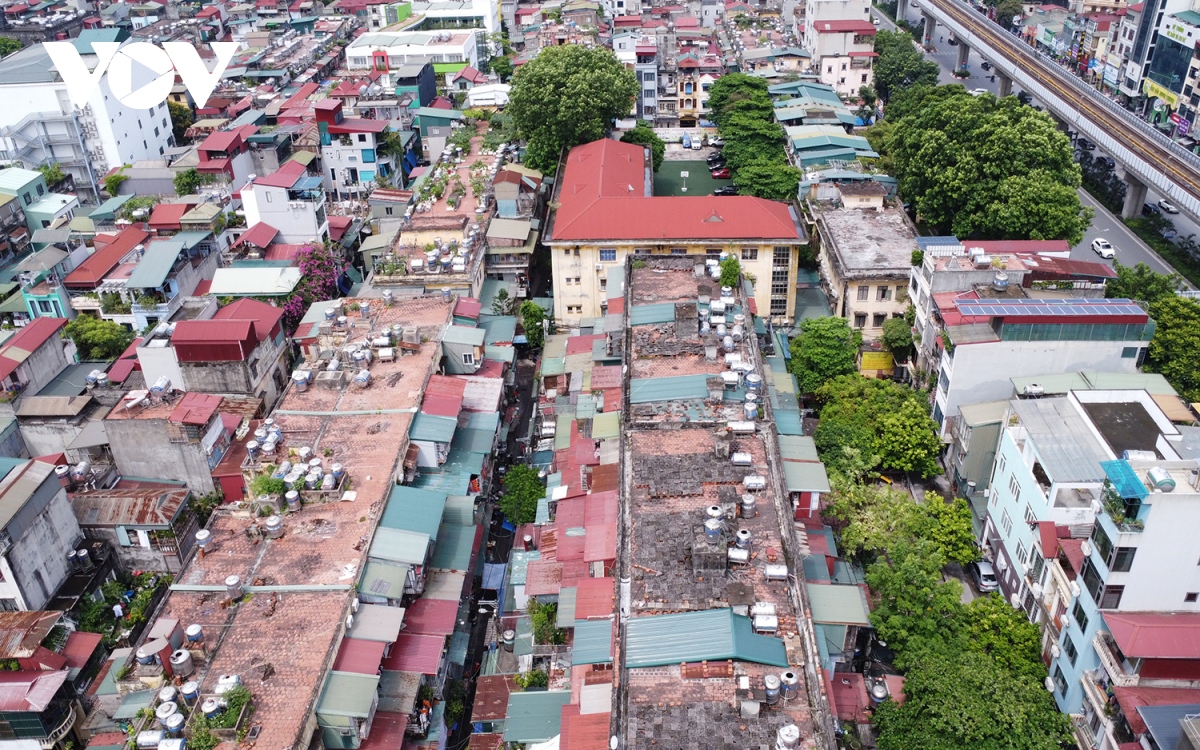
x=140 y=448
x=43 y=365
x=44 y=438
x=39 y=557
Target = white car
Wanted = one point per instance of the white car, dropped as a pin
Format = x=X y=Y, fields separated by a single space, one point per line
x=979 y=92
x=1167 y=206
x=1103 y=248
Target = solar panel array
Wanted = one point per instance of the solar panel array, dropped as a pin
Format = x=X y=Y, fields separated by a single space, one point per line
x=1043 y=307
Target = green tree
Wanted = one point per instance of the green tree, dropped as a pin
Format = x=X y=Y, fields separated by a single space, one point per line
x=522 y=490
x=502 y=303
x=1007 y=9
x=182 y=118
x=825 y=348
x=112 y=183
x=503 y=67
x=993 y=626
x=643 y=134
x=532 y=316
x=8 y=45
x=731 y=271
x=98 y=339
x=770 y=179
x=1142 y=284
x=898 y=337
x=1175 y=349
x=908 y=440
x=948 y=527
x=52 y=173
x=1032 y=206
x=568 y=95
x=914 y=605
x=880 y=417
x=188 y=182
x=750 y=138
x=735 y=87
x=899 y=64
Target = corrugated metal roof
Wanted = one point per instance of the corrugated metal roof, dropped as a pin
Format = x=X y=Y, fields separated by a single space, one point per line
x=676 y=387
x=660 y=312
x=22 y=632
x=705 y=635
x=453 y=550
x=460 y=510
x=1151 y=382
x=554 y=365
x=593 y=642
x=457 y=652
x=606 y=426
x=988 y=412
x=805 y=476
x=427 y=616
x=1063 y=439
x=416 y=653
x=463 y=335
x=359 y=656
x=130 y=704
x=432 y=428
x=788 y=422
x=798 y=448
x=383 y=579
x=155 y=265
x=411 y=509
x=565 y=615
x=375 y=622
x=348 y=694
x=395 y=545
x=520 y=565
x=838 y=605
x=1053 y=384
x=535 y=716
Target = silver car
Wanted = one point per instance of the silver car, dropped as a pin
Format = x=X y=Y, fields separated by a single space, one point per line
x=984 y=576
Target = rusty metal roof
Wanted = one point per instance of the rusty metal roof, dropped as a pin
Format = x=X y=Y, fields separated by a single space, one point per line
x=22 y=632
x=141 y=507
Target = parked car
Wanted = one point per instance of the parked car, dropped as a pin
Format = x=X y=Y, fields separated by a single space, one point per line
x=984 y=576
x=721 y=174
x=1168 y=206
x=985 y=65
x=952 y=41
x=1085 y=144
x=979 y=92
x=1149 y=209
x=718 y=164
x=726 y=190
x=1107 y=161
x=1103 y=248
x=714 y=157
x=716 y=142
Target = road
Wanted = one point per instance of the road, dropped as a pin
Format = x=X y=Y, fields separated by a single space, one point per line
x=1130 y=249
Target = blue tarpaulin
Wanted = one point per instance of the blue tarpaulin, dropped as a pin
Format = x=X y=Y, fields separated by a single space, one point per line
x=493 y=576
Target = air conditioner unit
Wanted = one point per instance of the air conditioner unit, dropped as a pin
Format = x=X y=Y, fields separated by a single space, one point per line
x=599 y=266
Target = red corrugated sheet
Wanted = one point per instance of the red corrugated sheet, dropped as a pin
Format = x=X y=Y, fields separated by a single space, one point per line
x=1154 y=635
x=43 y=659
x=338 y=226
x=1132 y=697
x=594 y=598
x=601 y=522
x=284 y=177
x=850 y=697
x=195 y=409
x=80 y=647
x=416 y=653
x=266 y=317
x=357 y=655
x=26 y=341
x=167 y=215
x=543 y=578
x=100 y=263
x=584 y=731
x=29 y=691
x=431 y=617
x=443 y=396
x=259 y=235
x=582 y=344
x=491 y=697
x=387 y=731
x=467 y=307
x=214 y=340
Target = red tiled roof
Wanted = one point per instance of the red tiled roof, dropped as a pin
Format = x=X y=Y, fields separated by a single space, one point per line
x=301 y=96
x=431 y=616
x=416 y=653
x=603 y=197
x=284 y=177
x=1073 y=549
x=470 y=74
x=1048 y=536
x=838 y=27
x=221 y=140
x=195 y=409
x=467 y=307
x=17 y=349
x=100 y=263
x=357 y=655
x=1156 y=635
x=167 y=215
x=1132 y=697
x=265 y=316
x=594 y=598
x=259 y=235
x=441 y=102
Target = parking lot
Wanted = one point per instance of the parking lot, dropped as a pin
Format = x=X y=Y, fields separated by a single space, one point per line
x=669 y=180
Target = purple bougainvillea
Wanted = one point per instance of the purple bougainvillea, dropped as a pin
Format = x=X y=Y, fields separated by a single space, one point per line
x=319 y=272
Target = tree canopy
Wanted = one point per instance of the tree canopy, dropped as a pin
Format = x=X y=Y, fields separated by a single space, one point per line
x=900 y=65
x=568 y=95
x=98 y=339
x=522 y=490
x=319 y=273
x=643 y=134
x=182 y=118
x=978 y=167
x=532 y=316
x=1142 y=284
x=826 y=348
x=773 y=180
x=876 y=517
x=898 y=336
x=8 y=45
x=735 y=87
x=1175 y=349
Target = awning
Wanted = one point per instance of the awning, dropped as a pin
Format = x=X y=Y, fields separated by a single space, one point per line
x=91 y=436
x=838 y=605
x=155 y=265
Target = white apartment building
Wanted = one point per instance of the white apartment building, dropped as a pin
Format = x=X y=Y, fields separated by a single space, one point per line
x=841 y=38
x=383 y=50
x=290 y=200
x=38 y=124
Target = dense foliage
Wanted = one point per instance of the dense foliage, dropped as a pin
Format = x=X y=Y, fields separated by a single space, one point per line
x=8 y=45
x=319 y=273
x=900 y=65
x=532 y=316
x=98 y=339
x=731 y=271
x=643 y=134
x=754 y=141
x=568 y=95
x=522 y=490
x=826 y=348
x=898 y=337
x=182 y=118
x=1141 y=283
x=1175 y=349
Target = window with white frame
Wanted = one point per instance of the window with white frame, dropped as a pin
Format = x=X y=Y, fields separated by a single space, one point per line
x=1006 y=523
x=468 y=358
x=1015 y=488
x=1021 y=552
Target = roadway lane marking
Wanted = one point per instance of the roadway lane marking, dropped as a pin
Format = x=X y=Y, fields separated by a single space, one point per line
x=1127 y=233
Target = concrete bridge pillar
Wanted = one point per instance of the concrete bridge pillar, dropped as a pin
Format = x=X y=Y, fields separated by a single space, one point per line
x=1004 y=87
x=964 y=54
x=930 y=25
x=1135 y=197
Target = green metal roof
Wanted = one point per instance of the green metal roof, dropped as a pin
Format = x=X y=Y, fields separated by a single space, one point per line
x=453 y=550
x=134 y=702
x=383 y=579
x=554 y=366
x=399 y=546
x=675 y=387
x=473 y=441
x=464 y=335
x=787 y=422
x=520 y=565
x=432 y=428
x=605 y=426
x=1054 y=384
x=499 y=353
x=661 y=312
x=535 y=716
x=562 y=431
x=155 y=265
x=565 y=614
x=593 y=642
x=838 y=605
x=487 y=421
x=460 y=510
x=458 y=647
x=498 y=328
x=704 y=635
x=1151 y=382
x=348 y=694
x=191 y=239
x=411 y=509
x=798 y=448
x=805 y=476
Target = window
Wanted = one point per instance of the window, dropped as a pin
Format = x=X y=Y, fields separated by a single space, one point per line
x=362 y=137
x=603 y=283
x=900 y=293
x=1129 y=352
x=468 y=358
x=1112 y=597
x=712 y=252
x=1037 y=566
x=1022 y=553
x=1000 y=470
x=608 y=253
x=679 y=251
x=1091 y=580
x=1060 y=682
x=877 y=320
x=864 y=77
x=863 y=293
x=883 y=293
x=1103 y=544
x=1081 y=618
x=1006 y=523
x=860 y=320
x=782 y=257
x=578 y=280
x=387 y=210
x=576 y=252
x=749 y=253
x=1015 y=488
x=843 y=66
x=1030 y=518
x=44 y=306
x=1190 y=598
x=1069 y=648
x=1122 y=562
x=40 y=189
x=25 y=197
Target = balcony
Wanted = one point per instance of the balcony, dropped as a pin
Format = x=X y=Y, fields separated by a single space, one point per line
x=162 y=310
x=1093 y=692
x=1112 y=660
x=81 y=303
x=51 y=740
x=1084 y=736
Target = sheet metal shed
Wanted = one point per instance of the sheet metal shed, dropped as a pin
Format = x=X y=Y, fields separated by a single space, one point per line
x=155 y=265
x=704 y=635
x=383 y=579
x=348 y=694
x=805 y=476
x=375 y=622
x=593 y=642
